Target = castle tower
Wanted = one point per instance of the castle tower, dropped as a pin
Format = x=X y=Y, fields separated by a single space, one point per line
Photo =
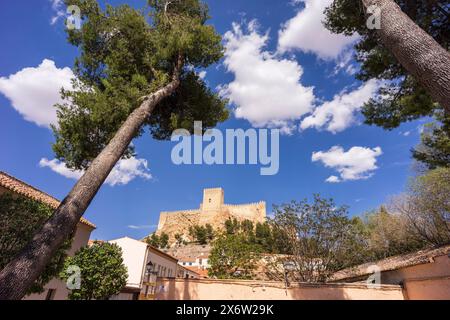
x=213 y=199
x=213 y=211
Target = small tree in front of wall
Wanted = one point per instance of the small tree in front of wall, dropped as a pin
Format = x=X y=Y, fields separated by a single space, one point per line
x=95 y=272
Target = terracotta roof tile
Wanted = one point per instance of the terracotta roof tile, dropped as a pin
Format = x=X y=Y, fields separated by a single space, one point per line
x=24 y=189
x=393 y=263
x=202 y=272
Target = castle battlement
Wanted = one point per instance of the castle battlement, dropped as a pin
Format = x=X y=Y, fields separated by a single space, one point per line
x=252 y=204
x=211 y=211
x=180 y=211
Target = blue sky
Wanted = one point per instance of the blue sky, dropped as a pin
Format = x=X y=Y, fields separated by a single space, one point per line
x=282 y=37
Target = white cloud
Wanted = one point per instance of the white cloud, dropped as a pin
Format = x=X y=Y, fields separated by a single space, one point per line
x=338 y=114
x=57 y=6
x=355 y=164
x=60 y=168
x=333 y=179
x=34 y=91
x=123 y=172
x=405 y=133
x=143 y=226
x=345 y=63
x=128 y=169
x=307 y=33
x=202 y=74
x=266 y=90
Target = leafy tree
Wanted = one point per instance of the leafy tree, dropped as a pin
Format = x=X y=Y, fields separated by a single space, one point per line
x=232 y=226
x=389 y=234
x=263 y=236
x=156 y=241
x=103 y=273
x=434 y=149
x=153 y=240
x=21 y=217
x=163 y=240
x=320 y=239
x=233 y=257
x=209 y=232
x=426 y=205
x=202 y=234
x=136 y=68
x=179 y=239
x=409 y=51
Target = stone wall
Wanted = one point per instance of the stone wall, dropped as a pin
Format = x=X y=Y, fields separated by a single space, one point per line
x=212 y=211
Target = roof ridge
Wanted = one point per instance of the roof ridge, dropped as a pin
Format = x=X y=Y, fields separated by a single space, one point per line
x=28 y=185
x=39 y=195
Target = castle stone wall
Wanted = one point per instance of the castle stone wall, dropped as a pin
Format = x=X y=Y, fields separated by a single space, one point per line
x=212 y=211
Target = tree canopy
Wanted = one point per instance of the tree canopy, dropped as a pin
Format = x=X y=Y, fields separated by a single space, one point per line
x=125 y=55
x=434 y=148
x=102 y=272
x=161 y=241
x=233 y=257
x=319 y=237
x=426 y=206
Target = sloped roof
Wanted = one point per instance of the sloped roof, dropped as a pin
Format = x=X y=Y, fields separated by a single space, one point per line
x=24 y=189
x=188 y=269
x=201 y=272
x=393 y=263
x=162 y=253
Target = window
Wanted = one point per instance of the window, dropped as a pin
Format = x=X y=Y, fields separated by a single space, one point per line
x=50 y=294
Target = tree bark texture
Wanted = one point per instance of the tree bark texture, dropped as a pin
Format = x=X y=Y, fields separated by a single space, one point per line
x=416 y=50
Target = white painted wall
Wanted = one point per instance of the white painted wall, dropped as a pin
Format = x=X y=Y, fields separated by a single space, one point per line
x=134 y=253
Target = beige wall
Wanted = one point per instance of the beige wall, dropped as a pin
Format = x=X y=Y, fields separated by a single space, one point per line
x=165 y=266
x=437 y=288
x=80 y=239
x=423 y=281
x=438 y=267
x=208 y=289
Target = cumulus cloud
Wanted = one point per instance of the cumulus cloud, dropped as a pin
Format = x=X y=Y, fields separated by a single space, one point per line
x=266 y=90
x=125 y=170
x=338 y=114
x=202 y=74
x=355 y=164
x=306 y=32
x=34 y=91
x=142 y=226
x=57 y=6
x=333 y=179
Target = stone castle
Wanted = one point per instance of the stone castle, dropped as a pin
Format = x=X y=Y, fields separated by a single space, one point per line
x=212 y=210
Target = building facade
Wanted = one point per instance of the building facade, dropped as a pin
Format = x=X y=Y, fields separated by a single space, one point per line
x=145 y=264
x=56 y=289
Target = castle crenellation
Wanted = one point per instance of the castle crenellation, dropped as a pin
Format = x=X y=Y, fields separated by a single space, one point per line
x=213 y=210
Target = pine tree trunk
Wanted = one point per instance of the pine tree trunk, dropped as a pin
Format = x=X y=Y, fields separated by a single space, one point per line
x=18 y=276
x=416 y=50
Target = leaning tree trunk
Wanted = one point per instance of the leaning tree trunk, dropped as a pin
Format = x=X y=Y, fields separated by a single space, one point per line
x=416 y=50
x=18 y=275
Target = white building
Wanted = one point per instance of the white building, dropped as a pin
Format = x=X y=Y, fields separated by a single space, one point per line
x=145 y=264
x=200 y=262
